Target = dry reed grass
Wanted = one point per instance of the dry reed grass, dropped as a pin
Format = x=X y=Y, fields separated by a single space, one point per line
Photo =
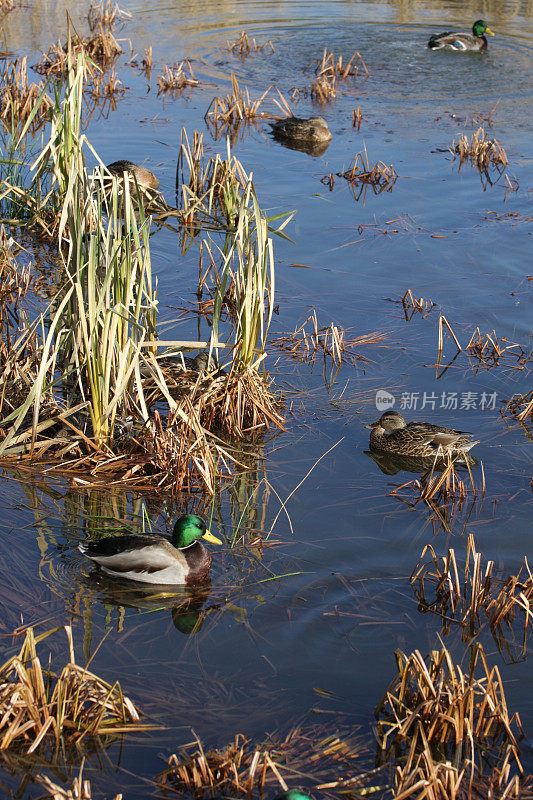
x=519 y=406
x=357 y=117
x=457 y=715
x=101 y=47
x=328 y=762
x=329 y=72
x=243 y=45
x=106 y=15
x=307 y=340
x=177 y=78
x=80 y=789
x=423 y=776
x=482 y=151
x=490 y=352
x=460 y=596
x=21 y=101
x=380 y=177
x=441 y=483
x=54 y=712
x=415 y=305
x=237 y=107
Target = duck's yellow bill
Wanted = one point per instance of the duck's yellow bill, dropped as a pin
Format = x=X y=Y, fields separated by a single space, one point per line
x=488 y=30
x=208 y=536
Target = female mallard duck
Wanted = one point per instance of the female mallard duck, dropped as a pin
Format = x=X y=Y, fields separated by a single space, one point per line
x=295 y=129
x=391 y=434
x=150 y=558
x=462 y=41
x=143 y=176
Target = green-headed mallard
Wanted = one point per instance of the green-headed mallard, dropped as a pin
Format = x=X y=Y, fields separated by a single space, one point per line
x=150 y=558
x=462 y=41
x=143 y=176
x=391 y=434
x=292 y=794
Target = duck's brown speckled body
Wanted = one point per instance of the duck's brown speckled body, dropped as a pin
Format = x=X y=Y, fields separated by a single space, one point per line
x=143 y=176
x=391 y=434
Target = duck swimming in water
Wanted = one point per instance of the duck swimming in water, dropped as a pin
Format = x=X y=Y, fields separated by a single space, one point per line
x=149 y=558
x=296 y=129
x=462 y=41
x=391 y=434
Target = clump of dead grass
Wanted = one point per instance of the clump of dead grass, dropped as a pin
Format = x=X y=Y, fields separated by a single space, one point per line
x=425 y=776
x=243 y=45
x=101 y=47
x=238 y=107
x=489 y=351
x=441 y=484
x=21 y=100
x=80 y=789
x=106 y=15
x=519 y=406
x=326 y=761
x=435 y=706
x=415 y=305
x=380 y=177
x=329 y=72
x=49 y=711
x=482 y=151
x=308 y=340
x=357 y=118
x=460 y=596
x=177 y=78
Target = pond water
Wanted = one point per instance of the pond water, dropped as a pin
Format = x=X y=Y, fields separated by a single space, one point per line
x=344 y=604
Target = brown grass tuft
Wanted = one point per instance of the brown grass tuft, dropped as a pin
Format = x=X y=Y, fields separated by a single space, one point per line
x=307 y=340
x=237 y=107
x=48 y=711
x=415 y=305
x=177 y=78
x=243 y=46
x=490 y=352
x=380 y=177
x=441 y=483
x=18 y=98
x=482 y=151
x=329 y=72
x=519 y=406
x=454 y=713
x=101 y=47
x=80 y=789
x=106 y=15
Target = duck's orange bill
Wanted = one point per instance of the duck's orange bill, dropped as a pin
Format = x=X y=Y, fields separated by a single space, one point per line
x=208 y=536
x=488 y=30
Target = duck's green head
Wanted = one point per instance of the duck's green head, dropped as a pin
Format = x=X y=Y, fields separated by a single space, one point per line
x=480 y=27
x=292 y=794
x=188 y=529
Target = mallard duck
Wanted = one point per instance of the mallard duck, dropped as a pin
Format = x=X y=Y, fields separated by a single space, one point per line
x=462 y=41
x=392 y=434
x=143 y=176
x=296 y=129
x=149 y=558
x=292 y=794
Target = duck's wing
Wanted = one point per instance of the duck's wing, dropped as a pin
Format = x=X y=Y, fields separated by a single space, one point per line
x=131 y=553
x=452 y=41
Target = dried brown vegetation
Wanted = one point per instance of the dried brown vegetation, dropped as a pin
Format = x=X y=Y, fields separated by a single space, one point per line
x=326 y=761
x=519 y=406
x=329 y=73
x=308 y=340
x=19 y=99
x=380 y=177
x=489 y=351
x=432 y=705
x=441 y=484
x=101 y=47
x=461 y=596
x=80 y=789
x=482 y=151
x=237 y=107
x=357 y=117
x=177 y=78
x=106 y=15
x=415 y=305
x=243 y=45
x=56 y=711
